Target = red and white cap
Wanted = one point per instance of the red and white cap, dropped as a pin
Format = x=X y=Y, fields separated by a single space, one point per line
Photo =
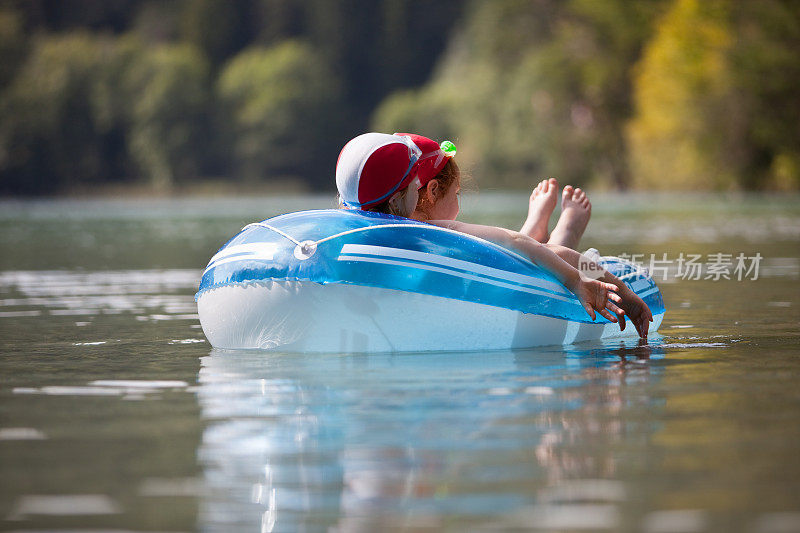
x=374 y=166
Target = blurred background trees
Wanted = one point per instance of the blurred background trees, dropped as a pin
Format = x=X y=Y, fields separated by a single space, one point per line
x=661 y=94
x=717 y=92
x=266 y=93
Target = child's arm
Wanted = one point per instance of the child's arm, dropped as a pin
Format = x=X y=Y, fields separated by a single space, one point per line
x=593 y=294
x=634 y=306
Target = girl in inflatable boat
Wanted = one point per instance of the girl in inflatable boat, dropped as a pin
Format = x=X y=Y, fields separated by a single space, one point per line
x=412 y=176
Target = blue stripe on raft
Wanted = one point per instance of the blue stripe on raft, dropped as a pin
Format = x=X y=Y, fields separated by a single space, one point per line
x=499 y=282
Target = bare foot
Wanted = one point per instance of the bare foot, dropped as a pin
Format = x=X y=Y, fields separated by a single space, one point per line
x=576 y=209
x=542 y=203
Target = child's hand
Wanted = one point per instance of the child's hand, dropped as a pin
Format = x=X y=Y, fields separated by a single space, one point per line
x=637 y=312
x=598 y=296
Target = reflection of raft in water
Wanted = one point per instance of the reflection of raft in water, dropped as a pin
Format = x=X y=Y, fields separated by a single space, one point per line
x=354 y=281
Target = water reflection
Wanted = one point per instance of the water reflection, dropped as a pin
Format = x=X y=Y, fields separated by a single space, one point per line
x=151 y=294
x=359 y=443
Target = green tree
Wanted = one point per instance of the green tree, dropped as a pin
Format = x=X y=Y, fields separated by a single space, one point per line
x=766 y=75
x=85 y=110
x=533 y=89
x=280 y=106
x=95 y=90
x=167 y=86
x=47 y=132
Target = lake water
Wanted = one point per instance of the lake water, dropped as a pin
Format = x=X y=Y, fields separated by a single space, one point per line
x=115 y=413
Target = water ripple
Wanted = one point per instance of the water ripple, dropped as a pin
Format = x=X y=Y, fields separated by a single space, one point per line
x=71 y=293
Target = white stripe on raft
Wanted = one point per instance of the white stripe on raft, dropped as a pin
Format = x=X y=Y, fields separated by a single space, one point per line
x=448 y=262
x=255 y=250
x=243 y=257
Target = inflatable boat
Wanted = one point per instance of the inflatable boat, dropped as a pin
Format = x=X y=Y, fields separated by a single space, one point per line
x=355 y=281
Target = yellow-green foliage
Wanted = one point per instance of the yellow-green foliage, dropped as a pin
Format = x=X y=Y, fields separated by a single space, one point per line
x=682 y=85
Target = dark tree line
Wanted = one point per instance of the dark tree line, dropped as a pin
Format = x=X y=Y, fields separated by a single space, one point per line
x=670 y=94
x=97 y=91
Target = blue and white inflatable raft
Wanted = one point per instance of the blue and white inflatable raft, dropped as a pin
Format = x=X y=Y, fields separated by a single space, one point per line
x=355 y=281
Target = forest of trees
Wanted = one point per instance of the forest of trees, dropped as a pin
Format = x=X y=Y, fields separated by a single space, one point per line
x=658 y=94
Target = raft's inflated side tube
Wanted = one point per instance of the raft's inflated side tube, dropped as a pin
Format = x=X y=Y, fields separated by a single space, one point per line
x=355 y=281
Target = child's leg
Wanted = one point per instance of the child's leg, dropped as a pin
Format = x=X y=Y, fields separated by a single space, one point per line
x=575 y=213
x=542 y=203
